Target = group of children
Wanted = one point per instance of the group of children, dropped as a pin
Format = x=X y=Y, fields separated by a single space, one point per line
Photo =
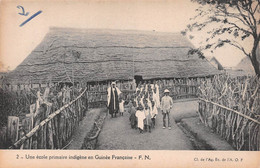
x=143 y=107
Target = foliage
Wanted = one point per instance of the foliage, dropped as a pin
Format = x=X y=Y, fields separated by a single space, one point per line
x=228 y=22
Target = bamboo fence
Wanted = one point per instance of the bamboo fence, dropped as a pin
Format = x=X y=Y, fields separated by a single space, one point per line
x=52 y=124
x=231 y=108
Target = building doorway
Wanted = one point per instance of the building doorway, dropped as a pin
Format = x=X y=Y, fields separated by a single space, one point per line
x=138 y=79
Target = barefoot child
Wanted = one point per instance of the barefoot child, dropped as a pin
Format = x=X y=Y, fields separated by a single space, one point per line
x=140 y=118
x=148 y=118
x=154 y=113
x=121 y=106
x=132 y=111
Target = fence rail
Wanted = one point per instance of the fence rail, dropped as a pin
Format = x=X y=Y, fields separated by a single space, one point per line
x=56 y=129
x=230 y=107
x=54 y=133
x=231 y=110
x=241 y=131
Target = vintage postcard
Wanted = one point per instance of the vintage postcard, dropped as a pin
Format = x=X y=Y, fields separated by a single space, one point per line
x=93 y=83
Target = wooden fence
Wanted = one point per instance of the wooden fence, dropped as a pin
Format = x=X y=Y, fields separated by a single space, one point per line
x=97 y=92
x=231 y=108
x=50 y=129
x=179 y=89
x=55 y=133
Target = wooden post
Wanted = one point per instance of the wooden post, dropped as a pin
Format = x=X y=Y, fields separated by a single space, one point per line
x=3 y=137
x=65 y=127
x=46 y=94
x=32 y=108
x=12 y=129
x=27 y=124
x=56 y=133
x=39 y=134
x=61 y=128
x=47 y=137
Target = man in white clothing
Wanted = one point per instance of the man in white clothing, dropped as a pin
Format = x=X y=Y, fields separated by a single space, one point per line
x=166 y=106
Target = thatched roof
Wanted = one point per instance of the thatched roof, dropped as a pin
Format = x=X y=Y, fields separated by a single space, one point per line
x=245 y=66
x=98 y=55
x=214 y=61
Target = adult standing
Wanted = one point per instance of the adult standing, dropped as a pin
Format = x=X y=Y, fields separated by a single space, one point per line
x=166 y=106
x=113 y=99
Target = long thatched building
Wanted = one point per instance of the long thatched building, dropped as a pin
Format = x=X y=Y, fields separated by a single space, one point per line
x=74 y=55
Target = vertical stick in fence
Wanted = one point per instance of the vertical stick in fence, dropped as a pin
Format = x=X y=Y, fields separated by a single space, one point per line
x=12 y=128
x=27 y=124
x=3 y=137
x=49 y=135
x=57 y=132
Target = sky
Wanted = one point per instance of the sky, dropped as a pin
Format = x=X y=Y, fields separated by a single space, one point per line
x=16 y=42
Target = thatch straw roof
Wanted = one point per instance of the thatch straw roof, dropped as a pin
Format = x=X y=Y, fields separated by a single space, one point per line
x=214 y=61
x=99 y=55
x=245 y=66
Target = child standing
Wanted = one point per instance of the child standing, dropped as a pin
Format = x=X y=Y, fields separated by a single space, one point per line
x=132 y=111
x=148 y=118
x=154 y=112
x=166 y=106
x=156 y=96
x=140 y=118
x=121 y=106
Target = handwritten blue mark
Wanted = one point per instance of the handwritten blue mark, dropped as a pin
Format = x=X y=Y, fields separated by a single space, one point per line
x=30 y=18
x=23 y=13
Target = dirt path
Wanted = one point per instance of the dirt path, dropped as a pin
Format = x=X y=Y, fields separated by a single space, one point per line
x=118 y=135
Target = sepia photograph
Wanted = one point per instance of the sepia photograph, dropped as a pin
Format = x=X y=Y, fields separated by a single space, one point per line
x=115 y=76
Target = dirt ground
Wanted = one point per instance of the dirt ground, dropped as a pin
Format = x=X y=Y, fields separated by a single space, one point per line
x=184 y=109
x=84 y=127
x=118 y=135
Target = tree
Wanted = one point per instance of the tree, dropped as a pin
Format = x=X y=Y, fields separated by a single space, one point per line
x=233 y=20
